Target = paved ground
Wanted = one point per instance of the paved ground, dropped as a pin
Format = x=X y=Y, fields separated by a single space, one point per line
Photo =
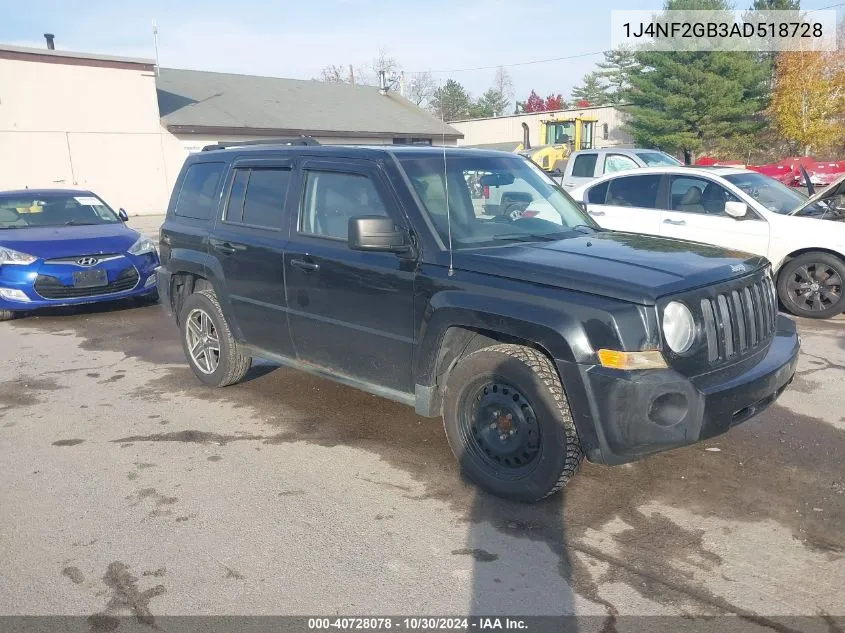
x=127 y=485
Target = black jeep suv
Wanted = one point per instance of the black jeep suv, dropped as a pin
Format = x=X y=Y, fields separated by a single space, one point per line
x=539 y=338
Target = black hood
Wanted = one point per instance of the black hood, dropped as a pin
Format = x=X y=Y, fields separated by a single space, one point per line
x=627 y=266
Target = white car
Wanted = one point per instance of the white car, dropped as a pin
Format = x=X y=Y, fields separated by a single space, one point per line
x=741 y=210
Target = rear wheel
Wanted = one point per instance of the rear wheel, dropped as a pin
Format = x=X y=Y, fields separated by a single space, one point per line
x=509 y=424
x=212 y=352
x=811 y=285
x=6 y=315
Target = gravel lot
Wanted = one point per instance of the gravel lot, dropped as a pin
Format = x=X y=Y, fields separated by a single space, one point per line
x=127 y=487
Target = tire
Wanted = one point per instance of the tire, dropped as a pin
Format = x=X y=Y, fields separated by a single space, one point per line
x=231 y=364
x=811 y=285
x=6 y=315
x=514 y=211
x=530 y=449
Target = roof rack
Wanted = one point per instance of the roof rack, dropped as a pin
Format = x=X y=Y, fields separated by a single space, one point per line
x=297 y=140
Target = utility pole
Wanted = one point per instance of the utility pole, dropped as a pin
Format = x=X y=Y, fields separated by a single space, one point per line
x=351 y=76
x=155 y=43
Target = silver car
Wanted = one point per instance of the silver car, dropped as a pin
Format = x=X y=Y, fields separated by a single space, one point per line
x=585 y=165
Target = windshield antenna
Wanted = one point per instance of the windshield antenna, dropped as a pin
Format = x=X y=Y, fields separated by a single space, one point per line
x=446 y=185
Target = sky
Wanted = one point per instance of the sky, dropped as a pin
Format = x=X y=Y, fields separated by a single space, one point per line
x=297 y=39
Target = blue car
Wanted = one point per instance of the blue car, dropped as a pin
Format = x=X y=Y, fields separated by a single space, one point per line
x=63 y=247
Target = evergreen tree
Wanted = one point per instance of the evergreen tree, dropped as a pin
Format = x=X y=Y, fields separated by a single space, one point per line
x=592 y=90
x=451 y=101
x=615 y=70
x=691 y=101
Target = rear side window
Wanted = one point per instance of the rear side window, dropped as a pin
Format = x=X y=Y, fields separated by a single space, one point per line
x=258 y=196
x=633 y=191
x=597 y=194
x=198 y=196
x=584 y=166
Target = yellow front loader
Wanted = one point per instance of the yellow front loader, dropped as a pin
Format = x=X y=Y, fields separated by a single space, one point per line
x=558 y=139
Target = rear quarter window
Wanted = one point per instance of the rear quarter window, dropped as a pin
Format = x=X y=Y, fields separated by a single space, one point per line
x=597 y=194
x=200 y=189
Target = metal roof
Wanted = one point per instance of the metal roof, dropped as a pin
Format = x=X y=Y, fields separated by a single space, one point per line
x=193 y=100
x=70 y=55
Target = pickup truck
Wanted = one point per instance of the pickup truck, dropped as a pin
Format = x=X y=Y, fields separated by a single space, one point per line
x=585 y=165
x=538 y=343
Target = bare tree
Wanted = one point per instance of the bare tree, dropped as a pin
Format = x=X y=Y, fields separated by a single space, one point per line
x=503 y=85
x=421 y=89
x=386 y=63
x=333 y=74
x=363 y=75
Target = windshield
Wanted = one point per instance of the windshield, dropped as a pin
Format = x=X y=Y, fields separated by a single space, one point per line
x=773 y=195
x=493 y=200
x=57 y=209
x=657 y=159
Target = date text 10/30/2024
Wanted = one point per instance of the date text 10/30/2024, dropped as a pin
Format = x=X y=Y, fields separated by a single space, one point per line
x=418 y=623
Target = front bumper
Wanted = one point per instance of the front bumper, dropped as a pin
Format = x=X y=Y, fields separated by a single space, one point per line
x=624 y=416
x=27 y=295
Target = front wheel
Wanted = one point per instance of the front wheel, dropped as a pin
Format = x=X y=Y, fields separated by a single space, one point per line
x=212 y=352
x=508 y=423
x=811 y=285
x=6 y=315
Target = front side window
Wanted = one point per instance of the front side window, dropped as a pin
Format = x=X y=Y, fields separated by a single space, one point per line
x=529 y=205
x=618 y=162
x=633 y=191
x=559 y=133
x=333 y=198
x=54 y=209
x=198 y=195
x=584 y=166
x=699 y=195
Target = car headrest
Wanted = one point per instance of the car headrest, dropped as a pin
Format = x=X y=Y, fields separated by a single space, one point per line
x=692 y=196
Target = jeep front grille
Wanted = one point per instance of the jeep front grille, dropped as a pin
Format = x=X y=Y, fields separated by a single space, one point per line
x=739 y=320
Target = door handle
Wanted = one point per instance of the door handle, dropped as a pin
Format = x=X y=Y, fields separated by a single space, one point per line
x=308 y=267
x=675 y=222
x=596 y=213
x=225 y=247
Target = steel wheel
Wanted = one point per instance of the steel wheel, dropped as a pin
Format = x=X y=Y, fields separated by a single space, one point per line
x=500 y=428
x=203 y=342
x=814 y=287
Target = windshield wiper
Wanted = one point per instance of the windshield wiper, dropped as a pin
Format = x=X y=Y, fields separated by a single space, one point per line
x=78 y=223
x=523 y=237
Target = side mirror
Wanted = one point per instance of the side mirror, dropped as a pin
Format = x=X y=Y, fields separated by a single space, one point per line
x=736 y=210
x=123 y=215
x=376 y=233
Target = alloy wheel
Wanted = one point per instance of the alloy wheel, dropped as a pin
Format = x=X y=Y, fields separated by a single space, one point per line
x=814 y=287
x=203 y=342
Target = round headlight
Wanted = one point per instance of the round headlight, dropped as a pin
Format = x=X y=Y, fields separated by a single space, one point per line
x=678 y=327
